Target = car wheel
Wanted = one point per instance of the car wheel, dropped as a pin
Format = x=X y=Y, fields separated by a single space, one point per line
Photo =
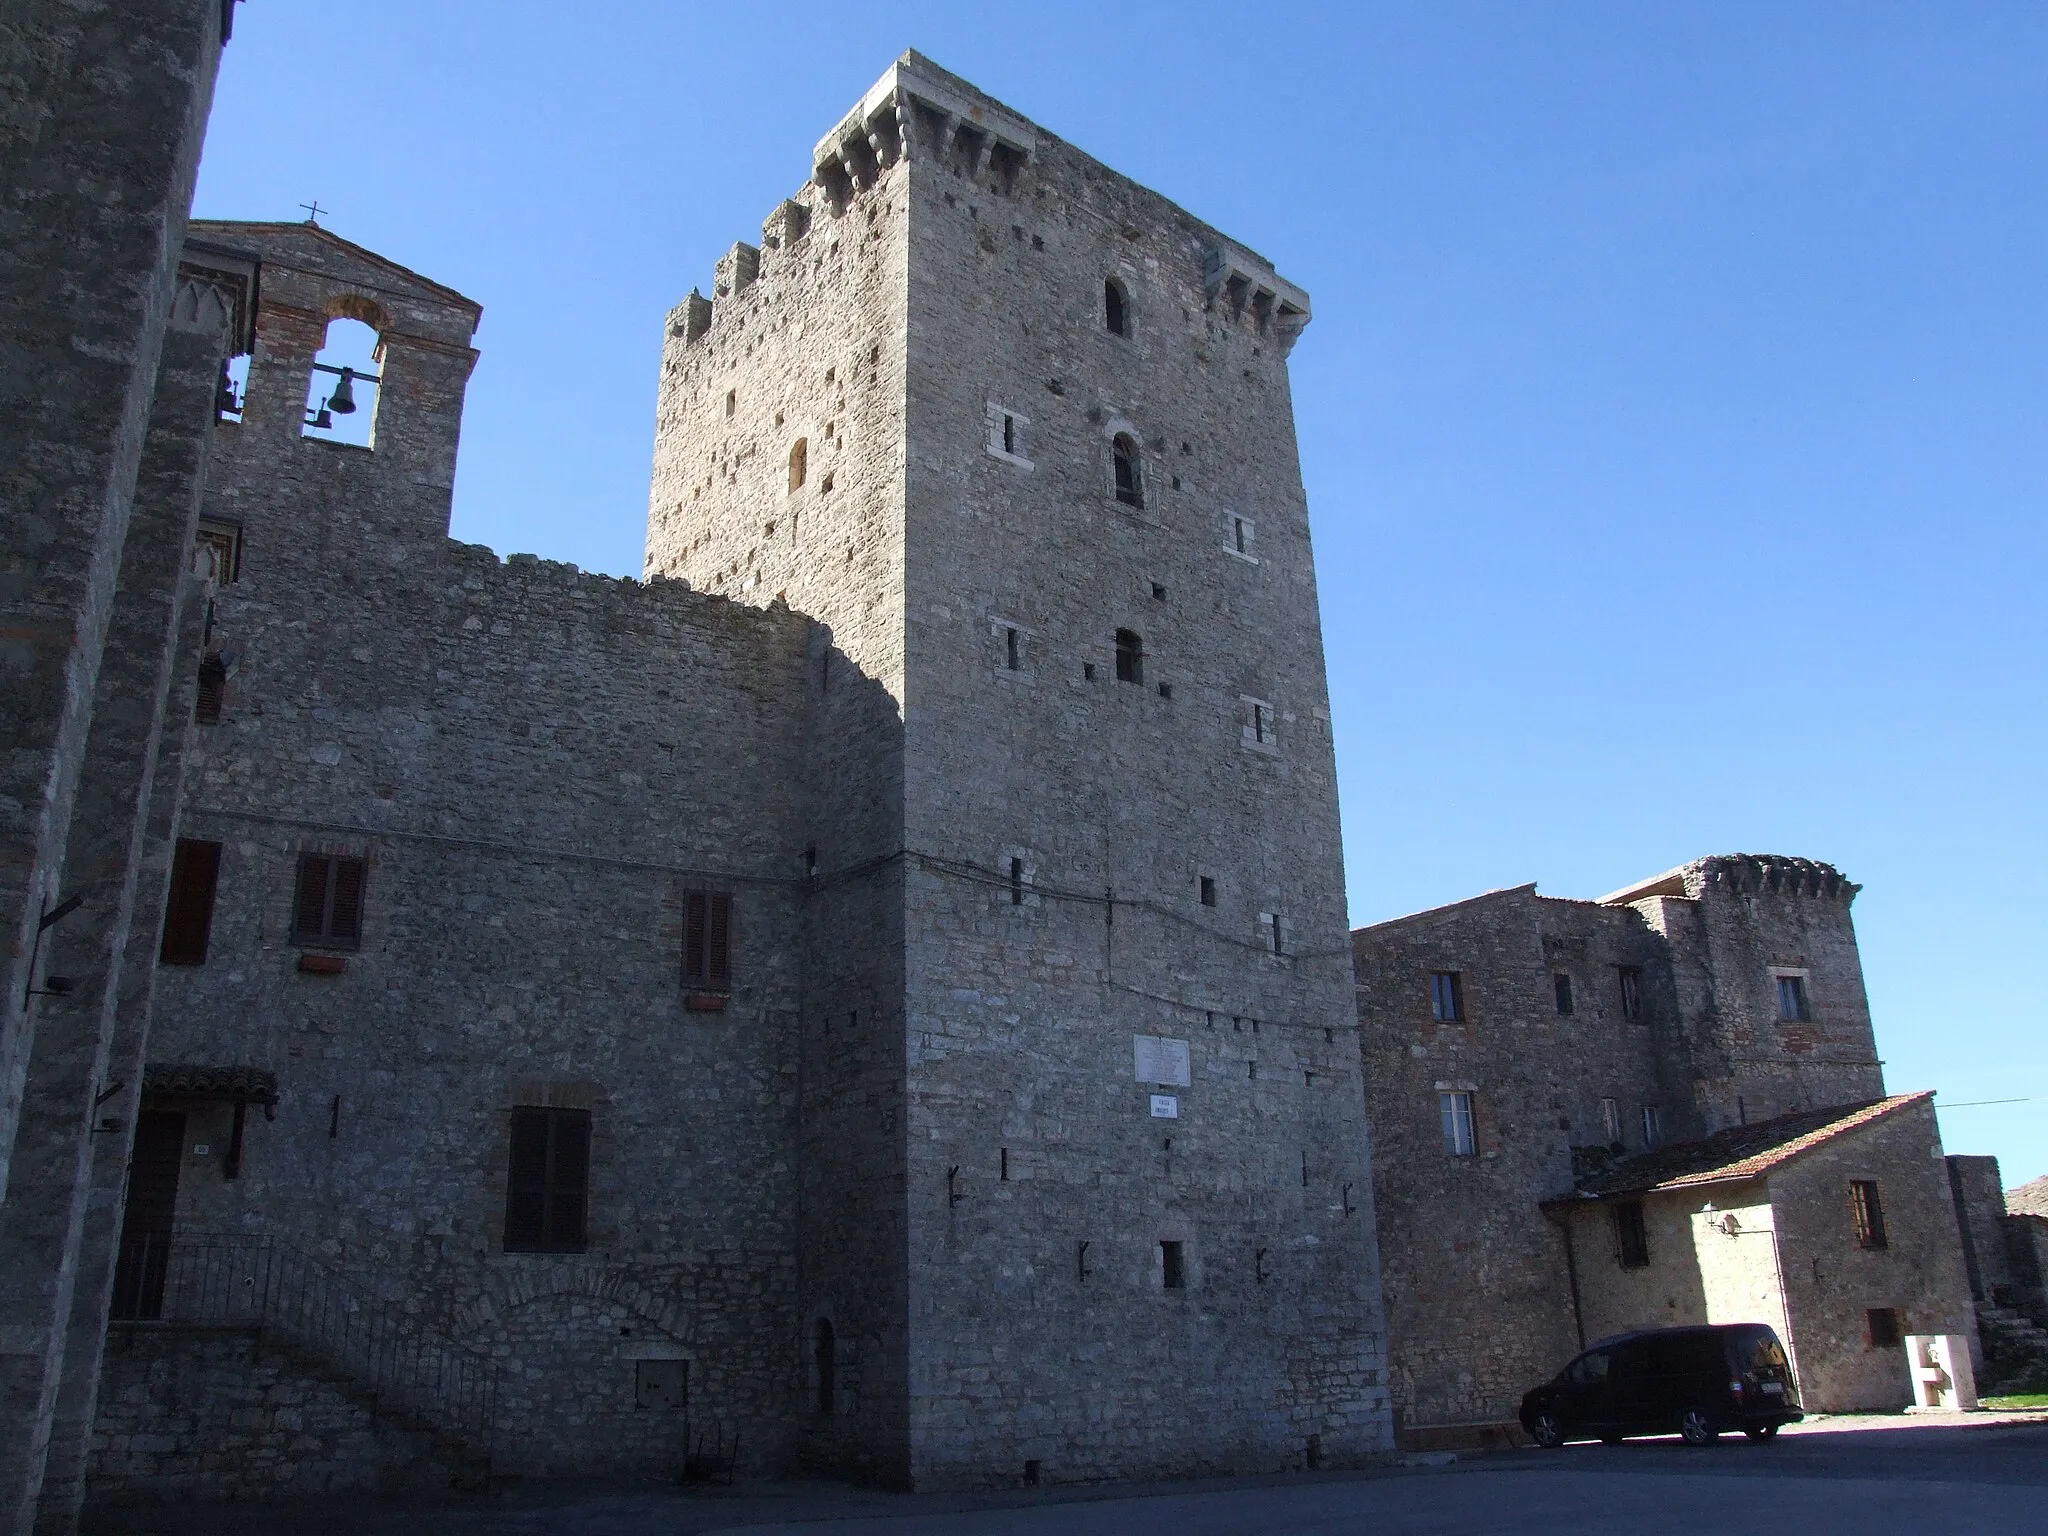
x=1698 y=1427
x=1761 y=1431
x=1547 y=1430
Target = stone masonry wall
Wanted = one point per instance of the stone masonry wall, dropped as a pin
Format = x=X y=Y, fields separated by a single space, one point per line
x=230 y=1413
x=1831 y=1283
x=1478 y=1298
x=537 y=764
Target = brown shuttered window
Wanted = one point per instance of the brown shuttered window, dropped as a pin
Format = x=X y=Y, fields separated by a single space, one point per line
x=188 y=911
x=547 y=1188
x=329 y=909
x=707 y=939
x=213 y=691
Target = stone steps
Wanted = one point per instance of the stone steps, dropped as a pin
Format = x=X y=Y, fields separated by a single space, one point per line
x=2015 y=1351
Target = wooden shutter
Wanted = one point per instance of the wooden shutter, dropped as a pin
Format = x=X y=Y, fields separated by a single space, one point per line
x=345 y=912
x=568 y=1178
x=718 y=944
x=547 y=1184
x=213 y=691
x=696 y=905
x=311 y=919
x=188 y=912
x=526 y=1182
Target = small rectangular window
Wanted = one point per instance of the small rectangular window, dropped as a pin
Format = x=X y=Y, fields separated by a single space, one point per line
x=1610 y=1120
x=1792 y=999
x=1653 y=1126
x=1887 y=1331
x=1446 y=996
x=1238 y=537
x=1016 y=882
x=1007 y=437
x=1130 y=657
x=1631 y=1236
x=1173 y=1266
x=1011 y=654
x=1562 y=985
x=707 y=940
x=1456 y=1111
x=1208 y=891
x=1009 y=434
x=1868 y=1212
x=329 y=909
x=548 y=1181
x=1271 y=932
x=1260 y=729
x=212 y=696
x=188 y=911
x=1631 y=992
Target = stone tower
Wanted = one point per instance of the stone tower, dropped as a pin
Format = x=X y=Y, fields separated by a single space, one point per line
x=1083 y=1167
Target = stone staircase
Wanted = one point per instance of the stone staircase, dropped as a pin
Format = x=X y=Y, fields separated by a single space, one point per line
x=2015 y=1351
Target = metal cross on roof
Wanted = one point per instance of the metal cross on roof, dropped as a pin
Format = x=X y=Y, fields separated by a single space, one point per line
x=313 y=211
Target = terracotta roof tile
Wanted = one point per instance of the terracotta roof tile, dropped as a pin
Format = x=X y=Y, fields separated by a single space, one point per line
x=1741 y=1151
x=2030 y=1199
x=252 y=1085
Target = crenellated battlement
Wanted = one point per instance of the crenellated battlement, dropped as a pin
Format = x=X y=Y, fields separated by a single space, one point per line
x=1742 y=874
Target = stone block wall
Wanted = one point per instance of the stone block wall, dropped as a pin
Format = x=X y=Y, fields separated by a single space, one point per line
x=1979 y=1200
x=233 y=1413
x=1831 y=1283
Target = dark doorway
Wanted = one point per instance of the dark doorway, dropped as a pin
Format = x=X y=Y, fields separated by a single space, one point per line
x=827 y=1366
x=147 y=1219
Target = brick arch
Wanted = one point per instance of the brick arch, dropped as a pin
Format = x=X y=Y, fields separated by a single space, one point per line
x=356 y=306
x=512 y=1289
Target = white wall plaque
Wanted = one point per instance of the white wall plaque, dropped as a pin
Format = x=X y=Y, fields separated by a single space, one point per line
x=1161 y=1060
x=1165 y=1107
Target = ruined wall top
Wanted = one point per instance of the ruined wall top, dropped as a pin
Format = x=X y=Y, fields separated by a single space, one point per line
x=1742 y=874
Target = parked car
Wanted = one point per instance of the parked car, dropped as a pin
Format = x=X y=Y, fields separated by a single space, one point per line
x=1695 y=1382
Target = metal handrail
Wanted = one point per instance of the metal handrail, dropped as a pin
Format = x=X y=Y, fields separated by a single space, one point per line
x=231 y=1278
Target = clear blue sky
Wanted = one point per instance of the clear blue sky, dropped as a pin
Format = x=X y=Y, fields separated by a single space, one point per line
x=1674 y=417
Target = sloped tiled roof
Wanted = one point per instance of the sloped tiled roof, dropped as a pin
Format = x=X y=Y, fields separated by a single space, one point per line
x=2030 y=1199
x=1741 y=1151
x=251 y=1085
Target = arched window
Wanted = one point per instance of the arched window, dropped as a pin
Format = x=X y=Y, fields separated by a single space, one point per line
x=799 y=463
x=826 y=1366
x=1130 y=657
x=346 y=383
x=1116 y=308
x=1130 y=487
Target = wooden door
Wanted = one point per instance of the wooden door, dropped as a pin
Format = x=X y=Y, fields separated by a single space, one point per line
x=149 y=1215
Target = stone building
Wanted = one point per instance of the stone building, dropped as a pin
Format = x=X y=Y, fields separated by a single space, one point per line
x=2004 y=1236
x=1534 y=1064
x=875 y=992
x=112 y=330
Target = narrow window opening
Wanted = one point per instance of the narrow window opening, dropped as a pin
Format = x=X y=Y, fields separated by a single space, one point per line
x=1455 y=1110
x=1166 y=690
x=1610 y=1120
x=1631 y=992
x=1005 y=1170
x=826 y=1366
x=212 y=696
x=1130 y=488
x=1563 y=986
x=343 y=392
x=1016 y=882
x=1209 y=897
x=1116 y=316
x=1130 y=657
x=188 y=913
x=231 y=394
x=825 y=489
x=1868 y=1211
x=732 y=401
x=1792 y=1008
x=1258 y=722
x=1631 y=1236
x=1653 y=1126
x=1173 y=1268
x=1273 y=936
x=1447 y=996
x=1009 y=434
x=799 y=462
x=1010 y=648
x=1158 y=593
x=707 y=940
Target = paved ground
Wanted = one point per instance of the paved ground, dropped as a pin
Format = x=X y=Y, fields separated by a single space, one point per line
x=1955 y=1476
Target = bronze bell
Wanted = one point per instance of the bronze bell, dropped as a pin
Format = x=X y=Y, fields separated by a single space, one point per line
x=343 y=401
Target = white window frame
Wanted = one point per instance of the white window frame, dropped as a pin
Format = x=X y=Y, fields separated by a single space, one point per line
x=1455 y=1114
x=999 y=413
x=1653 y=1127
x=1610 y=1119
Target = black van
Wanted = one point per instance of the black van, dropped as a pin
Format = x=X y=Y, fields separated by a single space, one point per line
x=1692 y=1381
